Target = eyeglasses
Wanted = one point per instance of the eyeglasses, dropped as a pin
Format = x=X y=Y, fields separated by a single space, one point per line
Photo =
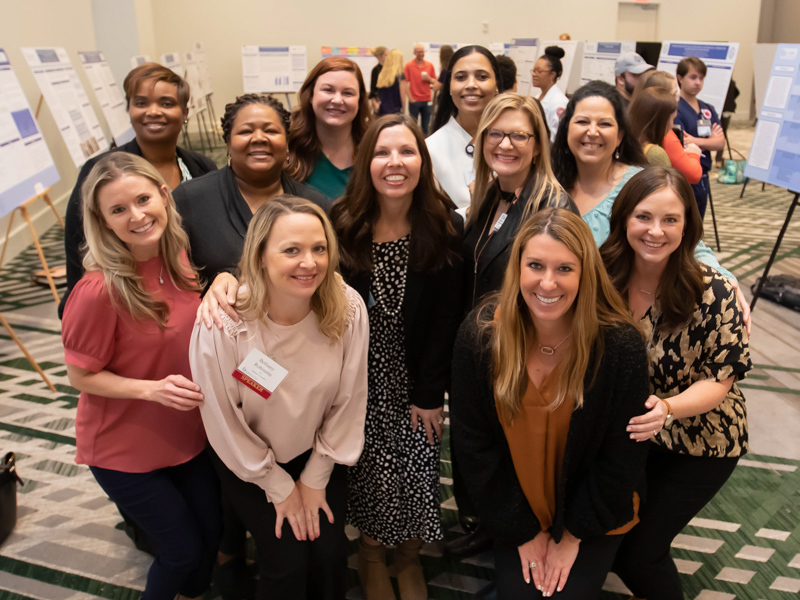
x=540 y=72
x=518 y=139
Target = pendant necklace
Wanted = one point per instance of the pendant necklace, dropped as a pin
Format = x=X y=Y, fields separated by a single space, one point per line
x=550 y=350
x=160 y=274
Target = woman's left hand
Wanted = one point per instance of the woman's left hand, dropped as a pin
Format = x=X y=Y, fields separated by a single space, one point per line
x=560 y=558
x=432 y=419
x=743 y=304
x=645 y=426
x=313 y=502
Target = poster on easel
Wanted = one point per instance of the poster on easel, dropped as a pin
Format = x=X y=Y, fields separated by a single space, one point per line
x=197 y=100
x=719 y=58
x=763 y=56
x=599 y=59
x=202 y=69
x=108 y=95
x=26 y=166
x=359 y=55
x=173 y=62
x=139 y=60
x=279 y=69
x=499 y=48
x=68 y=102
x=775 y=153
x=571 y=76
x=523 y=51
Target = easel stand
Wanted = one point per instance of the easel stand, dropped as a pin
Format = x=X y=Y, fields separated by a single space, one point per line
x=19 y=343
x=713 y=217
x=212 y=116
x=744 y=186
x=24 y=212
x=761 y=281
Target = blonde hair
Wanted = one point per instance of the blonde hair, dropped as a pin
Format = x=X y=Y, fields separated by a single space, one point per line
x=106 y=253
x=392 y=69
x=545 y=183
x=597 y=305
x=329 y=301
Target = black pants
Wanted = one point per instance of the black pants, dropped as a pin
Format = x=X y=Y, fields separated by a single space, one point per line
x=289 y=569
x=678 y=487
x=700 y=190
x=178 y=508
x=585 y=580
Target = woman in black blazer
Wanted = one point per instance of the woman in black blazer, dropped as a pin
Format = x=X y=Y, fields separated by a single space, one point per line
x=158 y=105
x=400 y=249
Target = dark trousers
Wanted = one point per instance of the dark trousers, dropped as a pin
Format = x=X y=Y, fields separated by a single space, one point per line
x=289 y=569
x=701 y=194
x=678 y=487
x=178 y=508
x=585 y=580
x=421 y=109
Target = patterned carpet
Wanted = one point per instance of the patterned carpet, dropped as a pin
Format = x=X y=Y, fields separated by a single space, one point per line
x=745 y=544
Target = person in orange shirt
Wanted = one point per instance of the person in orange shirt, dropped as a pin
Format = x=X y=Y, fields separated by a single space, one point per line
x=421 y=78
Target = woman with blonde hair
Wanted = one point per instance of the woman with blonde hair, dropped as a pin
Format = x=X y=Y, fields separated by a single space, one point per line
x=137 y=427
x=301 y=342
x=391 y=86
x=545 y=379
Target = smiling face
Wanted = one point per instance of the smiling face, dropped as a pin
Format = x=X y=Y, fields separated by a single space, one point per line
x=135 y=210
x=692 y=82
x=335 y=99
x=295 y=258
x=156 y=115
x=550 y=276
x=593 y=133
x=655 y=227
x=396 y=164
x=472 y=83
x=257 y=145
x=512 y=164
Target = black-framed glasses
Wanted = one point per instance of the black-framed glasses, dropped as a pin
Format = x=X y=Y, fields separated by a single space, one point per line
x=518 y=139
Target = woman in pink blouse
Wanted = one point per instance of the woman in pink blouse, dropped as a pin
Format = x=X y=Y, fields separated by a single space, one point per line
x=285 y=398
x=126 y=329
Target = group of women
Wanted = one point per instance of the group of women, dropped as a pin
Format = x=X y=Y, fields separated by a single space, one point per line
x=345 y=296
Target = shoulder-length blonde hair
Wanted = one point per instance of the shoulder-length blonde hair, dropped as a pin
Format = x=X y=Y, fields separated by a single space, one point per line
x=329 y=301
x=545 y=183
x=106 y=253
x=392 y=69
x=597 y=305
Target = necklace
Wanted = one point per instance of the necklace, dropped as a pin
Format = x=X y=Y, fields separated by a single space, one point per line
x=160 y=274
x=645 y=292
x=550 y=350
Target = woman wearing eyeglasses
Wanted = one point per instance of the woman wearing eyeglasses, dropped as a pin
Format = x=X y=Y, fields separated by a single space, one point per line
x=544 y=75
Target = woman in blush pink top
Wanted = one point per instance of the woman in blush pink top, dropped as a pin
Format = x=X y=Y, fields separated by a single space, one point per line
x=126 y=329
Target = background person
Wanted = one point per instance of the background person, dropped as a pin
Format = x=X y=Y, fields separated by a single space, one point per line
x=508 y=73
x=380 y=53
x=652 y=113
x=627 y=69
x=421 y=78
x=392 y=88
x=546 y=72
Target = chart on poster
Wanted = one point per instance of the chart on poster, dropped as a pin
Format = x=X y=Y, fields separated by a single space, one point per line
x=719 y=58
x=26 y=166
x=280 y=69
x=523 y=51
x=108 y=95
x=173 y=62
x=358 y=54
x=202 y=68
x=599 y=59
x=197 y=99
x=775 y=153
x=68 y=102
x=139 y=60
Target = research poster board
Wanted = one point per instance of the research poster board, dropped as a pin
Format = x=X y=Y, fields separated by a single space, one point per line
x=523 y=51
x=279 y=69
x=108 y=95
x=775 y=153
x=763 y=57
x=571 y=77
x=501 y=48
x=202 y=68
x=197 y=100
x=139 y=60
x=26 y=166
x=720 y=58
x=173 y=62
x=359 y=55
x=599 y=59
x=68 y=102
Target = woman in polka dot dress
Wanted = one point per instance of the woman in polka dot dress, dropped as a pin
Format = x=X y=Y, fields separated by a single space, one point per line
x=400 y=243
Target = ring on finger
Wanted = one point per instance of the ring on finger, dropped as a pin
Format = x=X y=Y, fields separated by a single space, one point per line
x=532 y=565
x=441 y=421
x=655 y=432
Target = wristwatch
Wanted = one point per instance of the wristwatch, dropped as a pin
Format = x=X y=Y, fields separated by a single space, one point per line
x=669 y=418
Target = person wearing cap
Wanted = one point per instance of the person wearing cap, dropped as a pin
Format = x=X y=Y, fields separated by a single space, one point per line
x=627 y=69
x=380 y=53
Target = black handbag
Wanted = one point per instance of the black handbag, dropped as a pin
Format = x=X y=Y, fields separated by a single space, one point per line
x=9 y=478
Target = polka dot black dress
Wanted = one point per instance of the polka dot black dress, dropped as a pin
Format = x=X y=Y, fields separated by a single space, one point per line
x=393 y=490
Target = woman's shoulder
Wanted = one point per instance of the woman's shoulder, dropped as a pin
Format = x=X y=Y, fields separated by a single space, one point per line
x=198 y=186
x=90 y=293
x=718 y=288
x=621 y=339
x=305 y=191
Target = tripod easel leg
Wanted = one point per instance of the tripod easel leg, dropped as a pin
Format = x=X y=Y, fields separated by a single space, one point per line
x=713 y=218
x=24 y=350
x=8 y=236
x=24 y=211
x=49 y=202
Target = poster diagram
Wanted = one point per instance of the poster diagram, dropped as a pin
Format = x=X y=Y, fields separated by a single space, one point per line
x=599 y=59
x=197 y=100
x=280 y=69
x=139 y=60
x=108 y=95
x=173 y=62
x=523 y=51
x=202 y=68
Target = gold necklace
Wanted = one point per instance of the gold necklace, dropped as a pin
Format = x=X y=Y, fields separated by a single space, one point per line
x=550 y=350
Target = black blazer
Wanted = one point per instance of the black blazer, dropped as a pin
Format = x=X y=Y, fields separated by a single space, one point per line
x=74 y=237
x=431 y=315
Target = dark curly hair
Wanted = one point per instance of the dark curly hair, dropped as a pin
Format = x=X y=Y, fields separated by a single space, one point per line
x=232 y=109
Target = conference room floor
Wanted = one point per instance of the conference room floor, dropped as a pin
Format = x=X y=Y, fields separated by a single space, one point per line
x=67 y=544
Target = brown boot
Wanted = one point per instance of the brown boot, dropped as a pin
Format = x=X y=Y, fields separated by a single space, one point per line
x=375 y=582
x=410 y=577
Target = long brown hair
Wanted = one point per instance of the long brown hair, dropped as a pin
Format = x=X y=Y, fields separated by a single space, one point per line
x=681 y=285
x=303 y=141
x=649 y=114
x=355 y=214
x=106 y=253
x=597 y=305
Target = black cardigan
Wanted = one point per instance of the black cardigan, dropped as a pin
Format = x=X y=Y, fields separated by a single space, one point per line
x=602 y=466
x=431 y=315
x=74 y=237
x=216 y=215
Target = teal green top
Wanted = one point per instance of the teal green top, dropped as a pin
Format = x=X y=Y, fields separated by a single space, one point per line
x=599 y=221
x=329 y=179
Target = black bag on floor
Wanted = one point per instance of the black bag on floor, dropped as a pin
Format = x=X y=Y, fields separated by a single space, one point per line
x=8 y=495
x=783 y=289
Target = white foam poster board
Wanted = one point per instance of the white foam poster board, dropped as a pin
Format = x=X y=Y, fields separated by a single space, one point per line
x=108 y=94
x=280 y=69
x=599 y=59
x=523 y=51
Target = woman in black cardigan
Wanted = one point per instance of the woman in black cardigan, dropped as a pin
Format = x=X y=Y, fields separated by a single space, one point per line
x=545 y=380
x=400 y=249
x=158 y=105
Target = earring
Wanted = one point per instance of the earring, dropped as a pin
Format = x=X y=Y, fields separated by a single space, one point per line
x=229 y=160
x=616 y=153
x=186 y=121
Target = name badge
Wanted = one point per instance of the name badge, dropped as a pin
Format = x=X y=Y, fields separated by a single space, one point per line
x=704 y=125
x=260 y=373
